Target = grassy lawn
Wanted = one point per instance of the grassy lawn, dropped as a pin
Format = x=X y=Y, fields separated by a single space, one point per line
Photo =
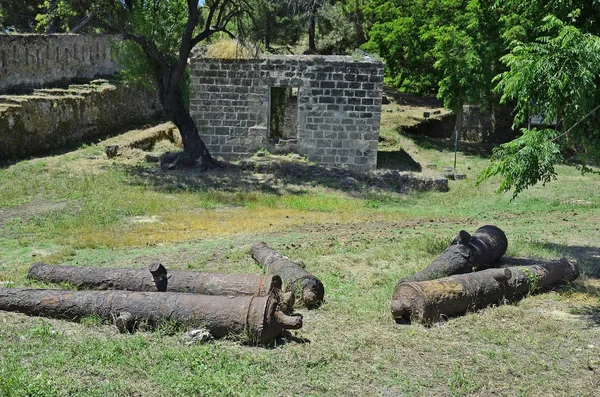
x=81 y=209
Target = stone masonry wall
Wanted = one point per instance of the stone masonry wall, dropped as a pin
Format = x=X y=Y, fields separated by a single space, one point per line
x=487 y=125
x=339 y=106
x=51 y=119
x=35 y=60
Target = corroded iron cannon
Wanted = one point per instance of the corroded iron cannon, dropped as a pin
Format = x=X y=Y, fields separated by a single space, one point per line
x=466 y=254
x=307 y=288
x=432 y=300
x=257 y=319
x=156 y=278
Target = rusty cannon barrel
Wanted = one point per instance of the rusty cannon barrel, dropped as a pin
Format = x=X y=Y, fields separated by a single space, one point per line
x=256 y=318
x=308 y=289
x=431 y=300
x=466 y=254
x=156 y=278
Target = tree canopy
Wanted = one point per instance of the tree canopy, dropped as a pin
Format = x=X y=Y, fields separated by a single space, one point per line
x=539 y=57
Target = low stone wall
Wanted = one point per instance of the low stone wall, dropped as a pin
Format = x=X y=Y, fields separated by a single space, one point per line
x=487 y=125
x=32 y=61
x=54 y=118
x=338 y=111
x=479 y=125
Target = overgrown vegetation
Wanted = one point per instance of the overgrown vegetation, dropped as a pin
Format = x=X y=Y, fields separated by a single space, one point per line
x=82 y=209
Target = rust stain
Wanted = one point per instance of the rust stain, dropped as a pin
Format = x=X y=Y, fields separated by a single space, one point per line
x=443 y=288
x=55 y=299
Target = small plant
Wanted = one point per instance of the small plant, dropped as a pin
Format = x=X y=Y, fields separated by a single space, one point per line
x=532 y=279
x=263 y=152
x=92 y=320
x=43 y=329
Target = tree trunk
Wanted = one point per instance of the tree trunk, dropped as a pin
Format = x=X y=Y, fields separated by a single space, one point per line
x=268 y=29
x=143 y=280
x=466 y=254
x=312 y=28
x=257 y=319
x=194 y=149
x=428 y=301
x=54 y=23
x=308 y=288
x=359 y=20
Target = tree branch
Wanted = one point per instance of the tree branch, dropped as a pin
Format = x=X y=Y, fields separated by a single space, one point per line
x=221 y=10
x=83 y=22
x=577 y=123
x=147 y=46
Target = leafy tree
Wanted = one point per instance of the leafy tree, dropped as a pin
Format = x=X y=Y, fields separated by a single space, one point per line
x=341 y=27
x=19 y=15
x=395 y=32
x=453 y=45
x=274 y=22
x=556 y=76
x=311 y=9
x=164 y=33
x=69 y=16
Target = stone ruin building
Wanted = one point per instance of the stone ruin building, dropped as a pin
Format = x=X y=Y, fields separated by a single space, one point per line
x=327 y=108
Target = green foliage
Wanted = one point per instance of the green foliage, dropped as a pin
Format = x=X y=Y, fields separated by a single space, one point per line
x=458 y=64
x=273 y=22
x=532 y=278
x=524 y=161
x=553 y=76
x=340 y=27
x=62 y=11
x=396 y=35
x=18 y=15
x=135 y=66
x=160 y=22
x=453 y=45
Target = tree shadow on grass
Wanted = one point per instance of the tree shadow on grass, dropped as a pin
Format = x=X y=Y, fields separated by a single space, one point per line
x=590 y=314
x=275 y=175
x=588 y=258
x=483 y=150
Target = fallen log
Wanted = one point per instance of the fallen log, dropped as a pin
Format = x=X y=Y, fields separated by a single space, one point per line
x=257 y=319
x=156 y=278
x=307 y=288
x=467 y=253
x=432 y=300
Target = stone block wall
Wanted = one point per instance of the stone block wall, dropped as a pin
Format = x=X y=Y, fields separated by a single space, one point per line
x=51 y=119
x=487 y=125
x=32 y=61
x=339 y=106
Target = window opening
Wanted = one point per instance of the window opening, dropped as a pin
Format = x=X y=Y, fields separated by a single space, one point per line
x=283 y=115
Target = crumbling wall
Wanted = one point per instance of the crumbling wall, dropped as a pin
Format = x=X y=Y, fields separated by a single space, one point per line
x=487 y=125
x=339 y=106
x=32 y=61
x=54 y=118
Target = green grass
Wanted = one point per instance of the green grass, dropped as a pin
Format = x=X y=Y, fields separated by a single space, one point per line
x=63 y=210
